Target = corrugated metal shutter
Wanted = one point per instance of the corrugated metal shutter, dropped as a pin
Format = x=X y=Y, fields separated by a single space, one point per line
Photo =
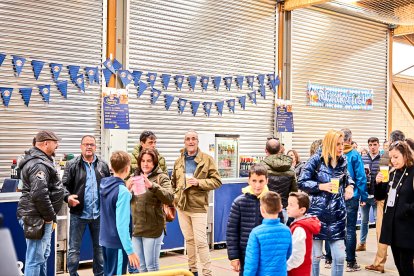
x=66 y=32
x=338 y=50
x=224 y=38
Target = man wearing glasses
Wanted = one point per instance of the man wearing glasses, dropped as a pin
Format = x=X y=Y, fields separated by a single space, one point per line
x=81 y=181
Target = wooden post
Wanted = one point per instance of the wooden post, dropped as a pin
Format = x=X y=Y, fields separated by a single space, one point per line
x=111 y=35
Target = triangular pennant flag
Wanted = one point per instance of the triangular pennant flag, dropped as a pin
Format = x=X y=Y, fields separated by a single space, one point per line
x=73 y=72
x=109 y=65
x=117 y=65
x=192 y=82
x=277 y=80
x=216 y=82
x=2 y=57
x=252 y=96
x=92 y=73
x=271 y=77
x=44 y=90
x=239 y=81
x=204 y=82
x=168 y=101
x=6 y=94
x=219 y=106
x=179 y=81
x=181 y=105
x=227 y=82
x=207 y=108
x=151 y=78
x=56 y=68
x=141 y=88
x=107 y=74
x=155 y=94
x=80 y=82
x=250 y=81
x=26 y=95
x=242 y=101
x=231 y=104
x=18 y=63
x=273 y=84
x=262 y=91
x=260 y=79
x=125 y=76
x=62 y=86
x=37 y=68
x=194 y=107
x=137 y=76
x=165 y=79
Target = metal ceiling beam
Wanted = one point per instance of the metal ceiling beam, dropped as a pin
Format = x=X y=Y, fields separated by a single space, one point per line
x=296 y=4
x=404 y=30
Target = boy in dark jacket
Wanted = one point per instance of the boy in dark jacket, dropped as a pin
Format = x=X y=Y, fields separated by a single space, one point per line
x=245 y=215
x=114 y=234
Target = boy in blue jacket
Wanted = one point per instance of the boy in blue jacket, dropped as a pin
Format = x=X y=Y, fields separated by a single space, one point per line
x=270 y=244
x=115 y=217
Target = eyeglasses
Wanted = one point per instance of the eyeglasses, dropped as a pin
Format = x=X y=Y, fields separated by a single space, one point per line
x=191 y=139
x=87 y=145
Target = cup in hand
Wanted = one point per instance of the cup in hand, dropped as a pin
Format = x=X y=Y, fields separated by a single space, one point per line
x=188 y=176
x=138 y=186
x=385 y=172
x=335 y=185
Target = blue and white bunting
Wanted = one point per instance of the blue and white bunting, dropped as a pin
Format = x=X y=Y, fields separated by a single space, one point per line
x=117 y=65
x=62 y=86
x=137 y=77
x=204 y=82
x=250 y=81
x=6 y=94
x=181 y=105
x=141 y=88
x=260 y=79
x=192 y=82
x=155 y=94
x=109 y=65
x=73 y=72
x=126 y=77
x=26 y=95
x=262 y=91
x=18 y=63
x=165 y=79
x=2 y=57
x=219 y=106
x=80 y=82
x=151 y=78
x=273 y=84
x=207 y=108
x=44 y=90
x=231 y=104
x=227 y=82
x=168 y=101
x=37 y=68
x=92 y=73
x=242 y=101
x=194 y=107
x=216 y=82
x=179 y=79
x=107 y=74
x=239 y=82
x=252 y=96
x=56 y=68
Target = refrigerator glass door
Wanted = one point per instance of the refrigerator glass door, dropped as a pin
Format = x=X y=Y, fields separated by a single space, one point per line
x=227 y=156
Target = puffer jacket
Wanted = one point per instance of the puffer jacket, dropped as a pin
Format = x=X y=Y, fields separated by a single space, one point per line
x=282 y=178
x=329 y=208
x=134 y=160
x=42 y=193
x=374 y=165
x=195 y=198
x=148 y=219
x=357 y=172
x=74 y=180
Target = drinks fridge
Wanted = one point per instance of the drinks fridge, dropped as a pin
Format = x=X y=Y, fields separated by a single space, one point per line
x=227 y=155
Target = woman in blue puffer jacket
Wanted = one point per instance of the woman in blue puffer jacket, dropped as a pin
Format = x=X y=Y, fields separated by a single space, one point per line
x=327 y=203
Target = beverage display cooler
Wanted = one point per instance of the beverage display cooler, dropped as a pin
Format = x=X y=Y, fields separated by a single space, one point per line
x=227 y=155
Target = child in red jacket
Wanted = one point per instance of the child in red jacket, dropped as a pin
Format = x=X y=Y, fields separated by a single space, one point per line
x=303 y=228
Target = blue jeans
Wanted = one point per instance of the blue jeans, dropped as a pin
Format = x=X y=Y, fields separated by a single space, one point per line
x=365 y=217
x=76 y=231
x=148 y=250
x=338 y=257
x=352 y=206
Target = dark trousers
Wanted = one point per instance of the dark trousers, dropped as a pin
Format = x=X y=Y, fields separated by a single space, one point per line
x=113 y=265
x=403 y=259
x=352 y=206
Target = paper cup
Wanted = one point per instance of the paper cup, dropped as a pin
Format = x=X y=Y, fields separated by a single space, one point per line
x=385 y=172
x=138 y=187
x=335 y=185
x=188 y=176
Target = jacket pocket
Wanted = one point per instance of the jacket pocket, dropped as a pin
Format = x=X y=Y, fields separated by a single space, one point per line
x=34 y=227
x=197 y=199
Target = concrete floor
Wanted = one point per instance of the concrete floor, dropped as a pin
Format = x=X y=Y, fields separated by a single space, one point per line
x=221 y=265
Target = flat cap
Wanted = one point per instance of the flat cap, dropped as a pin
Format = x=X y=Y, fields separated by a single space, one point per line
x=46 y=135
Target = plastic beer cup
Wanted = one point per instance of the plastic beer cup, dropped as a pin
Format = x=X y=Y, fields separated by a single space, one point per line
x=335 y=185
x=138 y=186
x=385 y=172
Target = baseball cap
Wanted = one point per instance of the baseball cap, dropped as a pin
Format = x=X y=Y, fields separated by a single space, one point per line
x=46 y=135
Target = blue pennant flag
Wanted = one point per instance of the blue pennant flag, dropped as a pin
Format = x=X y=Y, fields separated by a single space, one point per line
x=204 y=82
x=242 y=101
x=260 y=79
x=262 y=91
x=116 y=64
x=80 y=82
x=207 y=108
x=73 y=72
x=155 y=94
x=62 y=86
x=165 y=79
x=26 y=94
x=151 y=78
x=273 y=84
x=56 y=68
x=126 y=77
x=141 y=88
x=44 y=90
x=216 y=83
x=179 y=82
x=231 y=104
x=18 y=63
x=270 y=77
x=227 y=82
x=181 y=105
x=239 y=81
x=37 y=68
x=219 y=106
x=137 y=77
x=194 y=107
x=6 y=94
x=2 y=57
x=168 y=101
x=252 y=96
x=92 y=73
x=192 y=82
x=250 y=81
x=107 y=74
x=109 y=65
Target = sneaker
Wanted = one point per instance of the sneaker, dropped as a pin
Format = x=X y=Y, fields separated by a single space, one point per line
x=361 y=247
x=352 y=266
x=375 y=268
x=328 y=264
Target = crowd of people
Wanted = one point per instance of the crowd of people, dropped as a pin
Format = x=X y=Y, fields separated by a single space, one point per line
x=281 y=224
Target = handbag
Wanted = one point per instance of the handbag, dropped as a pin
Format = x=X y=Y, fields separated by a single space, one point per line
x=169 y=211
x=33 y=227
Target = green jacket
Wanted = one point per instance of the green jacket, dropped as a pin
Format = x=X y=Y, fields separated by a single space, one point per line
x=147 y=215
x=134 y=160
x=195 y=199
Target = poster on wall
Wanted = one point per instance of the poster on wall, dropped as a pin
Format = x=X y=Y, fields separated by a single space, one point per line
x=115 y=108
x=284 y=116
x=339 y=97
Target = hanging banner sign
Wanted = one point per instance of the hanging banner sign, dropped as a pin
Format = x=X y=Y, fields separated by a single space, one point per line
x=250 y=81
x=126 y=77
x=151 y=78
x=73 y=72
x=192 y=82
x=227 y=82
x=339 y=97
x=165 y=79
x=141 y=88
x=204 y=82
x=2 y=57
x=194 y=107
x=216 y=82
x=44 y=91
x=284 y=116
x=18 y=63
x=107 y=74
x=137 y=76
x=6 y=94
x=239 y=81
x=92 y=73
x=242 y=101
x=179 y=81
x=115 y=108
x=231 y=104
x=155 y=94
x=181 y=105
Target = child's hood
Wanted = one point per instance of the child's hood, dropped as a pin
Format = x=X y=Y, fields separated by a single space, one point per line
x=311 y=223
x=249 y=190
x=108 y=184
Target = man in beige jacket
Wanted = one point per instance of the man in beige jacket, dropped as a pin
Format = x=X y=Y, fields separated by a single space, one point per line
x=194 y=175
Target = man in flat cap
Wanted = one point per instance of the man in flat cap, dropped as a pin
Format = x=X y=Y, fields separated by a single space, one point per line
x=41 y=200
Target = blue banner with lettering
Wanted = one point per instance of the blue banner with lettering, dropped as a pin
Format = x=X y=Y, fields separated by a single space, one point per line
x=284 y=116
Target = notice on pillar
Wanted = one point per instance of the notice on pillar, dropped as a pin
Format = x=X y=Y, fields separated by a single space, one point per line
x=284 y=116
x=115 y=109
